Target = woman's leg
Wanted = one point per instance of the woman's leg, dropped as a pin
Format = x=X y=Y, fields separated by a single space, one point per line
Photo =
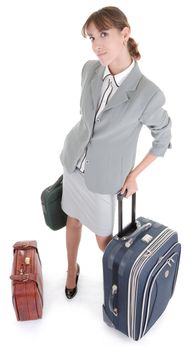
x=103 y=241
x=73 y=235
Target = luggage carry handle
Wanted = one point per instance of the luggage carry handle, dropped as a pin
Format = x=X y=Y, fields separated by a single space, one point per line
x=25 y=245
x=133 y=230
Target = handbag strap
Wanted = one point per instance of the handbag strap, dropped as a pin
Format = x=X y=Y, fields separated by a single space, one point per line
x=24 y=278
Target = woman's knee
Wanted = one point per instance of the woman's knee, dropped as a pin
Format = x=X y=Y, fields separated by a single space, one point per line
x=73 y=222
x=103 y=241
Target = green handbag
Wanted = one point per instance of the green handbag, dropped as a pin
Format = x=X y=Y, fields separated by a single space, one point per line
x=54 y=216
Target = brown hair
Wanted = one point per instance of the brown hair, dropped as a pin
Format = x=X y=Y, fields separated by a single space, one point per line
x=109 y=17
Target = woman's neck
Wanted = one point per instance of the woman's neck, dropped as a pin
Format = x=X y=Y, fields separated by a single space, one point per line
x=119 y=66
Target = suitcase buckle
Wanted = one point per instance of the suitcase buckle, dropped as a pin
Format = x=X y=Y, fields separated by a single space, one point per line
x=27 y=260
x=26 y=277
x=23 y=277
x=20 y=278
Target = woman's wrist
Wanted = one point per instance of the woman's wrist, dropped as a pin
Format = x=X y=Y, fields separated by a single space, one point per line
x=132 y=174
x=148 y=159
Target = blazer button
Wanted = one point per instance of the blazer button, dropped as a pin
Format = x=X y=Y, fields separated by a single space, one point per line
x=87 y=161
x=98 y=120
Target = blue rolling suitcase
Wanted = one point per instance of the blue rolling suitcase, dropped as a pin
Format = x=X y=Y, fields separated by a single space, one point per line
x=140 y=267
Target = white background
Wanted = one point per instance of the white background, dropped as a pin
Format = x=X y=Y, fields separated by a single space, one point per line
x=42 y=53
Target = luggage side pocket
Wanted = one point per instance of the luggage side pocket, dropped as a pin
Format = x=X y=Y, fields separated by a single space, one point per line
x=161 y=290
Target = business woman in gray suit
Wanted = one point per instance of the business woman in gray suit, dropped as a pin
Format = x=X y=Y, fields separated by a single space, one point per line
x=98 y=155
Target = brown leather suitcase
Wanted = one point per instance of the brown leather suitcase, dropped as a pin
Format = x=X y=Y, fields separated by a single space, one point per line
x=27 y=281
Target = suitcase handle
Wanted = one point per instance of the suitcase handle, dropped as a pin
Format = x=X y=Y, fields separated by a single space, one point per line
x=24 y=245
x=133 y=225
x=132 y=237
x=133 y=230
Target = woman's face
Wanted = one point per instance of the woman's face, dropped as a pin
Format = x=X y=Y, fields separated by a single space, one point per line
x=107 y=44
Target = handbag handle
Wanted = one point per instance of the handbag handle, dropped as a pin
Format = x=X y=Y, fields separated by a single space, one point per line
x=58 y=182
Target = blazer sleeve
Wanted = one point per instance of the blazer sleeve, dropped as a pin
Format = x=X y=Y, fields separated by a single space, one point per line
x=158 y=121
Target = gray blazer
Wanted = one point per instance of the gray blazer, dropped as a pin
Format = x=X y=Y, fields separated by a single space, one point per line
x=111 y=143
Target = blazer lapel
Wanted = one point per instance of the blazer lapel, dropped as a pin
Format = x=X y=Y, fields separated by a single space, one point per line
x=126 y=89
x=124 y=92
x=96 y=84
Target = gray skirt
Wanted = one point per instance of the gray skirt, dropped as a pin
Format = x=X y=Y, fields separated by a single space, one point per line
x=94 y=210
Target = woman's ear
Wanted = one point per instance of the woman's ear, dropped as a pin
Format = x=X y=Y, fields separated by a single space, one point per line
x=126 y=31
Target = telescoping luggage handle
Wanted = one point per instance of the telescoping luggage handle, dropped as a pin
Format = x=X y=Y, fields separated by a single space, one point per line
x=133 y=225
x=130 y=233
x=132 y=230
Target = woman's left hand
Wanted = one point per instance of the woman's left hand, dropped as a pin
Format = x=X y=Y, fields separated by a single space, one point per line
x=130 y=185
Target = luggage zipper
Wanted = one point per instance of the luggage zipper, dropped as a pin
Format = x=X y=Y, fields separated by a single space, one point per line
x=140 y=261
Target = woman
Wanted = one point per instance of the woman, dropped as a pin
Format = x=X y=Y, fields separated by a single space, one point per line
x=99 y=152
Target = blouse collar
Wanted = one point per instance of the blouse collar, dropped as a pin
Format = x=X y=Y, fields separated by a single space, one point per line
x=120 y=77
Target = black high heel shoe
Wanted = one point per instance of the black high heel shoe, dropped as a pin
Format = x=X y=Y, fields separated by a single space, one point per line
x=70 y=293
